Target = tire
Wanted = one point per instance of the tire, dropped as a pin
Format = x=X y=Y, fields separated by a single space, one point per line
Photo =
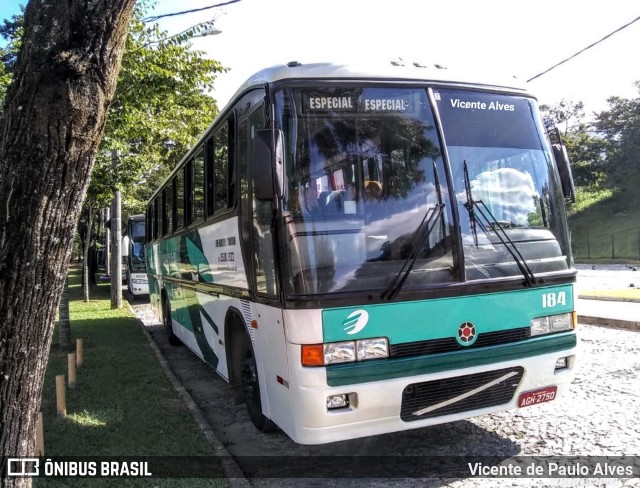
x=251 y=389
x=168 y=324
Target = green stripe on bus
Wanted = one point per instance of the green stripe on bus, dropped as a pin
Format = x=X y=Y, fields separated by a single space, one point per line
x=387 y=369
x=440 y=318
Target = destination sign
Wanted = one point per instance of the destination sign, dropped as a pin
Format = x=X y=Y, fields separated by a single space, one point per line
x=324 y=103
x=480 y=105
x=355 y=102
x=386 y=105
x=489 y=119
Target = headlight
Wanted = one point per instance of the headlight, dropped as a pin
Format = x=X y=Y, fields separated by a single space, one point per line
x=339 y=352
x=551 y=323
x=561 y=322
x=372 y=348
x=344 y=352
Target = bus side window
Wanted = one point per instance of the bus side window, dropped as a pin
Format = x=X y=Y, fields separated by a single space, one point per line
x=197 y=186
x=221 y=169
x=148 y=223
x=179 y=199
x=231 y=197
x=209 y=176
x=157 y=229
x=167 y=198
x=188 y=192
x=243 y=188
x=263 y=248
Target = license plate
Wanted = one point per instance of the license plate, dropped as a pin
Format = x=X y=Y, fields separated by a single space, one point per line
x=537 y=396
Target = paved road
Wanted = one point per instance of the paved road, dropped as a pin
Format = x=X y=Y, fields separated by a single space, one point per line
x=598 y=417
x=607 y=277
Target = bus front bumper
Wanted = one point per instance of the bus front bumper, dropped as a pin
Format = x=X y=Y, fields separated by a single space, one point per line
x=395 y=395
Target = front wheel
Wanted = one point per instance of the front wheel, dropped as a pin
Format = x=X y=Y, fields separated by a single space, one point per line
x=168 y=325
x=251 y=389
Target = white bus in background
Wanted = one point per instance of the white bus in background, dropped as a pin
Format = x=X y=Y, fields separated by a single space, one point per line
x=133 y=239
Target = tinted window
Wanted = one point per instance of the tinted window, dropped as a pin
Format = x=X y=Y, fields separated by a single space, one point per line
x=209 y=176
x=221 y=169
x=263 y=245
x=137 y=229
x=168 y=208
x=158 y=216
x=366 y=190
x=502 y=179
x=179 y=182
x=197 y=185
x=149 y=217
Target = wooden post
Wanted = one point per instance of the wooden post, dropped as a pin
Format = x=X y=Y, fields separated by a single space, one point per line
x=71 y=364
x=79 y=353
x=61 y=401
x=39 y=437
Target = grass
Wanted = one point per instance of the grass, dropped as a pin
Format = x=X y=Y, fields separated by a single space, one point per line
x=123 y=404
x=605 y=221
x=630 y=294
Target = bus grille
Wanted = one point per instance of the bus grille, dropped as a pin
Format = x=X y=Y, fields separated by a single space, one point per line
x=420 y=396
x=449 y=344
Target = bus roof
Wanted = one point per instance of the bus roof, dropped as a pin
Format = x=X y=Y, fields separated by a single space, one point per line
x=389 y=71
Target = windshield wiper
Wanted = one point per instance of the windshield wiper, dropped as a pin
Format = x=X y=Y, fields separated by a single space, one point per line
x=420 y=236
x=469 y=205
x=489 y=222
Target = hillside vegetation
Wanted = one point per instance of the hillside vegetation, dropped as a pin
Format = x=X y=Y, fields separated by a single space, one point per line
x=605 y=156
x=605 y=221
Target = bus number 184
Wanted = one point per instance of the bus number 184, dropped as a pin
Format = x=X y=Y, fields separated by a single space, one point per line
x=550 y=300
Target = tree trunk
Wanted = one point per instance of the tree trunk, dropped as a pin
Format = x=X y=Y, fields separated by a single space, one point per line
x=54 y=118
x=64 y=322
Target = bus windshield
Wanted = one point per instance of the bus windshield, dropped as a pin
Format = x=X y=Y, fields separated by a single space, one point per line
x=137 y=229
x=368 y=190
x=136 y=256
x=500 y=160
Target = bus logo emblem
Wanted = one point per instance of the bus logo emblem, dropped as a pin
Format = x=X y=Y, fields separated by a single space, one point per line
x=467 y=334
x=355 y=321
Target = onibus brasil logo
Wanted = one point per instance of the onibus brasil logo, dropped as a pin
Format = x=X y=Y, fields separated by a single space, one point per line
x=355 y=321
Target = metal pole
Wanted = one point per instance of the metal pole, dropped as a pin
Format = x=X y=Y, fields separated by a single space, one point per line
x=116 y=233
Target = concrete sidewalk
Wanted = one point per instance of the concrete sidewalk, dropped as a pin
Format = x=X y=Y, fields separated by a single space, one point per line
x=620 y=314
x=604 y=310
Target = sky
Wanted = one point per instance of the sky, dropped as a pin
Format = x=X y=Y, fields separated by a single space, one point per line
x=515 y=38
x=510 y=37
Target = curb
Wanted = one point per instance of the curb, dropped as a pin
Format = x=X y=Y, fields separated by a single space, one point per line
x=608 y=299
x=607 y=322
x=234 y=475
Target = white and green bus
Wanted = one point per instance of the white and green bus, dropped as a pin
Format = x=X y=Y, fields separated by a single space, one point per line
x=367 y=251
x=133 y=241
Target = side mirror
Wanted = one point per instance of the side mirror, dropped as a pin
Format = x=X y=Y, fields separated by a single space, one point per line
x=124 y=246
x=268 y=161
x=564 y=169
